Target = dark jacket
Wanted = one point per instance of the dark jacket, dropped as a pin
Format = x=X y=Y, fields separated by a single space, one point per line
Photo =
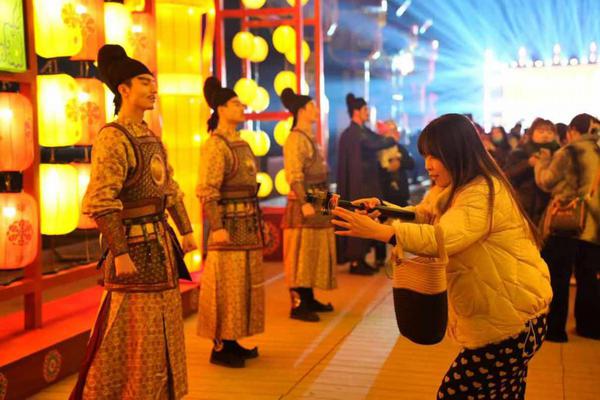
x=395 y=184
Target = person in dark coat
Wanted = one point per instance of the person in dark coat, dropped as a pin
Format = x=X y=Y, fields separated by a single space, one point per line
x=358 y=176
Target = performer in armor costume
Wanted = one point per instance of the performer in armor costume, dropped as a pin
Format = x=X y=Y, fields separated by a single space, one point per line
x=308 y=238
x=232 y=295
x=137 y=346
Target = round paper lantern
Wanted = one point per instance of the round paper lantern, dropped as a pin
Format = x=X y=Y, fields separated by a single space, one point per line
x=293 y=2
x=284 y=37
x=266 y=184
x=59 y=119
x=19 y=230
x=143 y=39
x=91 y=108
x=119 y=26
x=56 y=28
x=246 y=90
x=16 y=132
x=243 y=44
x=290 y=55
x=253 y=4
x=91 y=22
x=260 y=49
x=83 y=179
x=284 y=79
x=282 y=130
x=281 y=183
x=259 y=141
x=59 y=199
x=261 y=100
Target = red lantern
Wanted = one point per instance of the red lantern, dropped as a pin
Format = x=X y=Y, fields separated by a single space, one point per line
x=90 y=14
x=91 y=108
x=16 y=132
x=144 y=39
x=19 y=230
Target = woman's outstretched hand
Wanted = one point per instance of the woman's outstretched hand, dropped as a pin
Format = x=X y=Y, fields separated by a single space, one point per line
x=356 y=224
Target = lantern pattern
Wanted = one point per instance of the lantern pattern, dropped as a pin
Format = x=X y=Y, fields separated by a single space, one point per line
x=16 y=132
x=246 y=90
x=284 y=38
x=143 y=36
x=59 y=122
x=281 y=184
x=282 y=130
x=57 y=28
x=58 y=198
x=91 y=108
x=90 y=14
x=261 y=100
x=266 y=184
x=243 y=44
x=19 y=230
x=83 y=180
x=260 y=49
x=119 y=26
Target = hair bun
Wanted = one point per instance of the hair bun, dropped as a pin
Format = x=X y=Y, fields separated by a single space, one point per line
x=211 y=86
x=287 y=98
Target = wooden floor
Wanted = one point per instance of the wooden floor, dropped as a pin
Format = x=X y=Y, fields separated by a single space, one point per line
x=355 y=353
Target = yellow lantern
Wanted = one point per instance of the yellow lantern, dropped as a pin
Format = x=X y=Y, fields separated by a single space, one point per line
x=243 y=44
x=253 y=4
x=290 y=55
x=284 y=37
x=282 y=130
x=261 y=101
x=119 y=26
x=135 y=5
x=91 y=108
x=83 y=179
x=266 y=184
x=281 y=183
x=16 y=132
x=260 y=49
x=59 y=202
x=284 y=79
x=91 y=20
x=293 y=2
x=143 y=39
x=59 y=120
x=263 y=144
x=246 y=90
x=57 y=28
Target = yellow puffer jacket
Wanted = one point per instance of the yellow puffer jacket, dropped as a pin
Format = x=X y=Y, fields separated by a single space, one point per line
x=497 y=280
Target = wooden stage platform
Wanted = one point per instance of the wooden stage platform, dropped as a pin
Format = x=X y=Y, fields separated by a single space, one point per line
x=356 y=353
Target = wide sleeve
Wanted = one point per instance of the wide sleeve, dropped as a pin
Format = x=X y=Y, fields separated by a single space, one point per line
x=212 y=173
x=296 y=151
x=463 y=224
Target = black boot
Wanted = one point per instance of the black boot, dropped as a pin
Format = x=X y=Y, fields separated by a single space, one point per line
x=244 y=352
x=315 y=305
x=300 y=308
x=224 y=354
x=361 y=268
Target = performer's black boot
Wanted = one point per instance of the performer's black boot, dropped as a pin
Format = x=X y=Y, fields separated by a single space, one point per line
x=244 y=352
x=300 y=305
x=315 y=305
x=224 y=354
x=361 y=267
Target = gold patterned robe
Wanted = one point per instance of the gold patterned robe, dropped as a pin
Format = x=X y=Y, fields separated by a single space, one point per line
x=142 y=350
x=232 y=285
x=308 y=243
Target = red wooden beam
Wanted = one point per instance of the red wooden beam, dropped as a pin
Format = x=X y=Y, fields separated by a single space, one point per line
x=16 y=289
x=267 y=116
x=69 y=276
x=241 y=12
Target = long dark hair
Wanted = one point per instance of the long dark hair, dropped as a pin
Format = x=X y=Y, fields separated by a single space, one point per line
x=453 y=139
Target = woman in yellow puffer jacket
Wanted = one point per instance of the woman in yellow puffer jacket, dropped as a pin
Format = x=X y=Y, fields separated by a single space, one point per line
x=498 y=285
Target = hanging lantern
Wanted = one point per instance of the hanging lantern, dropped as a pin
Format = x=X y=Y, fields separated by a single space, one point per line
x=282 y=130
x=266 y=184
x=253 y=4
x=259 y=141
x=261 y=100
x=16 y=132
x=83 y=179
x=290 y=55
x=143 y=37
x=284 y=37
x=246 y=90
x=260 y=49
x=281 y=183
x=243 y=44
x=284 y=79
x=293 y=2
x=19 y=230
x=91 y=108
x=56 y=28
x=59 y=200
x=59 y=121
x=119 y=26
x=91 y=23
x=135 y=5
